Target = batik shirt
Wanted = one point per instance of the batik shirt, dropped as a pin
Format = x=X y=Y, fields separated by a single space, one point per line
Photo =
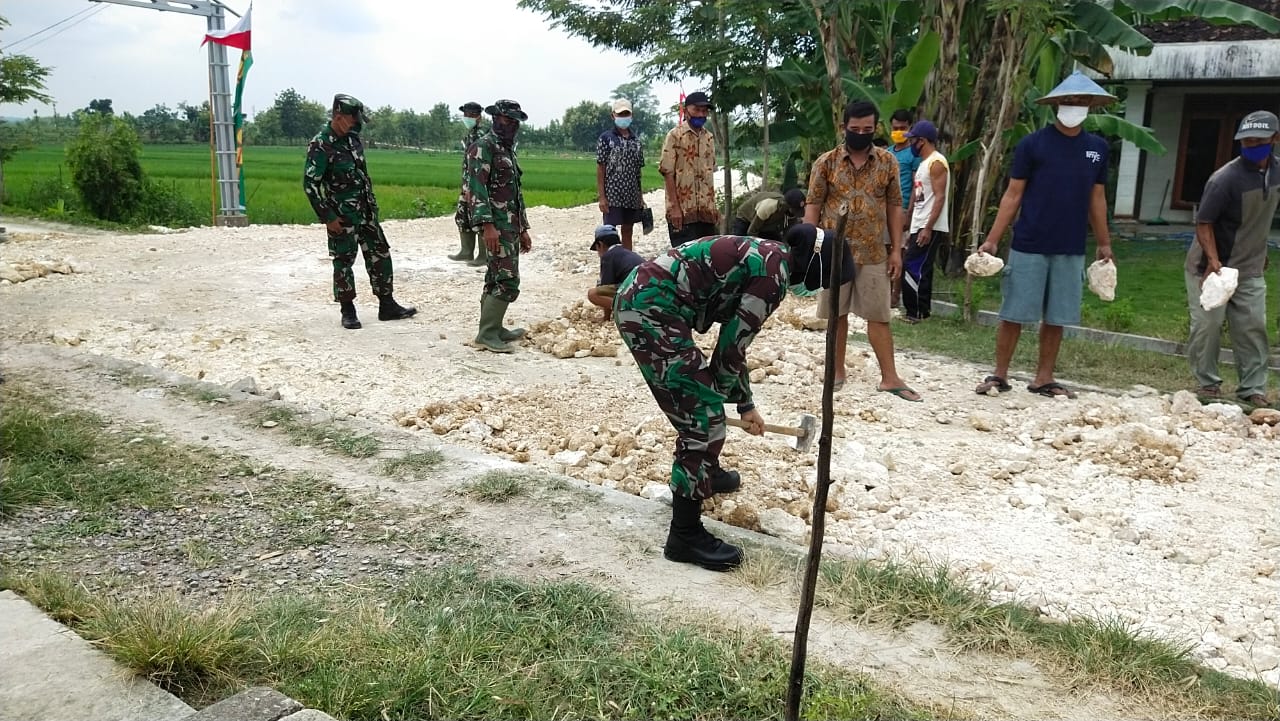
x=870 y=191
x=622 y=158
x=689 y=156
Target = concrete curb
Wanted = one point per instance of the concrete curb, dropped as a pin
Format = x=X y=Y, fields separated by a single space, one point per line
x=48 y=673
x=1128 y=340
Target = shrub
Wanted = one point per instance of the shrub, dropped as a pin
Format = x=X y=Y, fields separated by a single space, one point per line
x=49 y=194
x=1118 y=316
x=105 y=167
x=164 y=204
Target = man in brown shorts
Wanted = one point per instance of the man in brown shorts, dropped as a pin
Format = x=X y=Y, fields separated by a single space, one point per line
x=866 y=178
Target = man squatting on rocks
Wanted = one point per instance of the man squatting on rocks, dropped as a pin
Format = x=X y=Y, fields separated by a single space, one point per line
x=497 y=206
x=616 y=263
x=737 y=282
x=338 y=186
x=476 y=127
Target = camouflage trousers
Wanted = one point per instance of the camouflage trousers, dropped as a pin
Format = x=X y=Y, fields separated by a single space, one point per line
x=462 y=216
x=677 y=374
x=367 y=237
x=502 y=277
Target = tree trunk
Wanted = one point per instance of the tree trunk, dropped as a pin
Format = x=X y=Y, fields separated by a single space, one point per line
x=829 y=35
x=764 y=117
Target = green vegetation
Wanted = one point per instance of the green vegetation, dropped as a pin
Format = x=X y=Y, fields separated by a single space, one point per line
x=457 y=644
x=408 y=184
x=1151 y=295
x=54 y=458
x=498 y=486
x=1088 y=652
x=320 y=435
x=415 y=466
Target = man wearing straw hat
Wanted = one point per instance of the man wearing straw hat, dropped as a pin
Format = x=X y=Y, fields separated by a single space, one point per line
x=1058 y=181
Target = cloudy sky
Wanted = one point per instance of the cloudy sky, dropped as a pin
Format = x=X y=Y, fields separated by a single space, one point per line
x=407 y=54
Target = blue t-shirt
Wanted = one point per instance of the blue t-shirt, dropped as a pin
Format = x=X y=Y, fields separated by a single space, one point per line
x=908 y=164
x=1060 y=171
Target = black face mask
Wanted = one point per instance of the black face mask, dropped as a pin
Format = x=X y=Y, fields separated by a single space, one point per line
x=506 y=131
x=858 y=141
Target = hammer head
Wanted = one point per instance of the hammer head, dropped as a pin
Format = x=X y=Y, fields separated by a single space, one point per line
x=809 y=429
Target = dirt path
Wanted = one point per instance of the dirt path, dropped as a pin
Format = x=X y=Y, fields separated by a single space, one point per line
x=1153 y=509
x=611 y=540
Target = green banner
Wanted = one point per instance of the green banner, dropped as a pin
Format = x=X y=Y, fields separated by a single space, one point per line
x=246 y=62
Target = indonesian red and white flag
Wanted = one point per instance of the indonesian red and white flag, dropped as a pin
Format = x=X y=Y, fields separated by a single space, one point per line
x=236 y=37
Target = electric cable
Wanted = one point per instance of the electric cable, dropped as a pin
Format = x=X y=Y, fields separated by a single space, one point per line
x=92 y=11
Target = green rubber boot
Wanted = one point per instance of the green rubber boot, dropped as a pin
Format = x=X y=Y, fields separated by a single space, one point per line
x=482 y=254
x=510 y=334
x=468 y=251
x=490 y=336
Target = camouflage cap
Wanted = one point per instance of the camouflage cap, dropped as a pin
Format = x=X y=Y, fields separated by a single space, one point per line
x=509 y=108
x=470 y=108
x=348 y=105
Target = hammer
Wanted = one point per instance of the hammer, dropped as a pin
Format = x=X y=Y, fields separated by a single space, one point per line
x=803 y=434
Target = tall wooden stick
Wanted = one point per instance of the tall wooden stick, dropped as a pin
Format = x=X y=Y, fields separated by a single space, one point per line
x=800 y=645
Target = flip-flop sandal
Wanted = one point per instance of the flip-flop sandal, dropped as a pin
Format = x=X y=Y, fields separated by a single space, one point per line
x=990 y=382
x=902 y=392
x=1052 y=389
x=837 y=385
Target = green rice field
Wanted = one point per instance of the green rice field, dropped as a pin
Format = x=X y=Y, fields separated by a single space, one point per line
x=408 y=184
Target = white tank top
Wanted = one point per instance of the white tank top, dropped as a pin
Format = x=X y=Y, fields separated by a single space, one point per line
x=923 y=196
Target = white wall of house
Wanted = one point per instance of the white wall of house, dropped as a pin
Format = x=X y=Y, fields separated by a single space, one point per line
x=1166 y=124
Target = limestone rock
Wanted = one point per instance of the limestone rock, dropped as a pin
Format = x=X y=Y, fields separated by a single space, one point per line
x=778 y=523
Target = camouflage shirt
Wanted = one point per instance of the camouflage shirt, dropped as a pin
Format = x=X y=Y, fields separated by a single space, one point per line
x=473 y=135
x=492 y=180
x=732 y=280
x=336 y=179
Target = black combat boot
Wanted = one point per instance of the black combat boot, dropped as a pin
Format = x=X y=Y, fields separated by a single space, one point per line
x=689 y=542
x=349 y=319
x=723 y=481
x=389 y=309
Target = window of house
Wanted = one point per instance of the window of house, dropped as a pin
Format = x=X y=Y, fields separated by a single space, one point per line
x=1209 y=125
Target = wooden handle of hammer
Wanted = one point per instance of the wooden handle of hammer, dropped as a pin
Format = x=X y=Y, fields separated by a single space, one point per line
x=768 y=427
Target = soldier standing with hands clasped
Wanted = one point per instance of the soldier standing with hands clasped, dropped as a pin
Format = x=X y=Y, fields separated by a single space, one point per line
x=476 y=127
x=497 y=206
x=338 y=186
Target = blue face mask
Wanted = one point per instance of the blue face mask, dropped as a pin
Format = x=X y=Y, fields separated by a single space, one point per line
x=697 y=123
x=1257 y=153
x=623 y=122
x=469 y=122
x=916 y=148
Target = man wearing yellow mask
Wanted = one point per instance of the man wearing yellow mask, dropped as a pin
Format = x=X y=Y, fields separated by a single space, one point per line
x=908 y=164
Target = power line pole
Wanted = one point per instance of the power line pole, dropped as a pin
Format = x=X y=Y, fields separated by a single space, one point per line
x=224 y=141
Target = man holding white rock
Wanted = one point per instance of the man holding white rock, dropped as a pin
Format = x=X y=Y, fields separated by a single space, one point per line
x=1232 y=224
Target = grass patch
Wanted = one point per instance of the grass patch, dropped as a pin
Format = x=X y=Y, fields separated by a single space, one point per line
x=409 y=184
x=455 y=644
x=1089 y=652
x=320 y=435
x=416 y=466
x=1080 y=361
x=53 y=458
x=1151 y=295
x=498 y=486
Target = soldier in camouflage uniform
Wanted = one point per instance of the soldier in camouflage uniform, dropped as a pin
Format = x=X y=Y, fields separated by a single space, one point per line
x=476 y=127
x=497 y=206
x=737 y=282
x=337 y=184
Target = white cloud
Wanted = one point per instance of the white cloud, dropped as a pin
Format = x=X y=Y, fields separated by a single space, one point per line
x=403 y=54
